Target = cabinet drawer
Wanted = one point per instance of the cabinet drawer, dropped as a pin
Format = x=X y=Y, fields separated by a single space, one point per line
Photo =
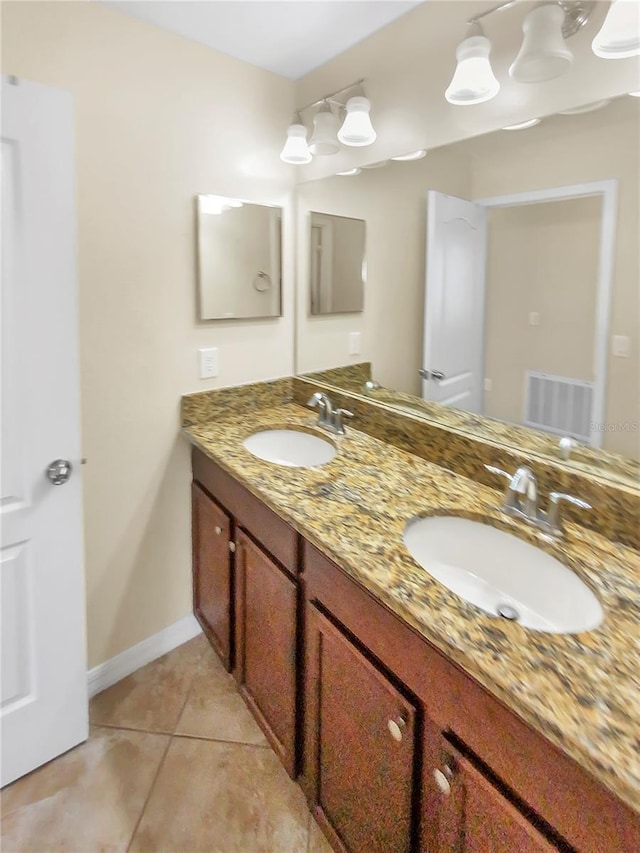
x=263 y=524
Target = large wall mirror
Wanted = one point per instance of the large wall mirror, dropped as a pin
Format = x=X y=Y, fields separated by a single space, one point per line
x=503 y=280
x=239 y=258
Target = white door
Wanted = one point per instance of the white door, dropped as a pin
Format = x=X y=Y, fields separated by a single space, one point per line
x=453 y=351
x=44 y=677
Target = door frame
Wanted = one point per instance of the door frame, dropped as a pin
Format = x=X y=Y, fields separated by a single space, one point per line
x=608 y=191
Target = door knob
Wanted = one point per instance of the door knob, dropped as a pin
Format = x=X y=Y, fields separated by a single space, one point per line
x=438 y=375
x=59 y=471
x=232 y=547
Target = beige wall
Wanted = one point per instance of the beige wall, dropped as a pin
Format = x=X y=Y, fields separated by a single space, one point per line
x=393 y=203
x=532 y=268
x=159 y=119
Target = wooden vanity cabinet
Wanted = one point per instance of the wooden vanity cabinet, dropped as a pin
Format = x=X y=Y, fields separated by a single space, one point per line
x=361 y=741
x=212 y=572
x=266 y=613
x=511 y=790
x=245 y=587
x=475 y=817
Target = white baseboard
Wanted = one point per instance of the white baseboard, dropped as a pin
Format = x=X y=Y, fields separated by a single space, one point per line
x=118 y=667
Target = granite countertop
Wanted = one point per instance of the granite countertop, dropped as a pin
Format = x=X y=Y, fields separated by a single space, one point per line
x=581 y=691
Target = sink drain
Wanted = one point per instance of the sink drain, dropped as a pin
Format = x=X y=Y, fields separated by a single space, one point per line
x=508 y=612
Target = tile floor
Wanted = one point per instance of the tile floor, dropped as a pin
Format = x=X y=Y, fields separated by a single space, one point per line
x=174 y=763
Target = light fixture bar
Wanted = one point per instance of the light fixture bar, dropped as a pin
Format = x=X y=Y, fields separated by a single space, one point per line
x=576 y=13
x=331 y=99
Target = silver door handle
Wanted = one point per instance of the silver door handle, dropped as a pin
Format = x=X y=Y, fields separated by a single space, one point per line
x=59 y=471
x=438 y=375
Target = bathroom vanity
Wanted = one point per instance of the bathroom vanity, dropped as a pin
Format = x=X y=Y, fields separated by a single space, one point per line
x=412 y=721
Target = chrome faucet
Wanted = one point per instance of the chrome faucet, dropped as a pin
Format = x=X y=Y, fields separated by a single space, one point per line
x=329 y=418
x=521 y=500
x=521 y=497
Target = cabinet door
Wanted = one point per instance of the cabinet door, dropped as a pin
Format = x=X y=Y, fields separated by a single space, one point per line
x=266 y=638
x=212 y=567
x=360 y=731
x=476 y=817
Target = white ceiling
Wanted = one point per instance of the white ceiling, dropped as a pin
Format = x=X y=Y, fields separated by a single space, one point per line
x=289 y=38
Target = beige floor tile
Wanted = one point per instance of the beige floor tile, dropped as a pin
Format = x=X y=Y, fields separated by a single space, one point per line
x=87 y=800
x=215 y=709
x=152 y=698
x=317 y=842
x=222 y=798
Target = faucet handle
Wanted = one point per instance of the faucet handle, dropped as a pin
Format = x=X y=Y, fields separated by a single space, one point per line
x=345 y=413
x=553 y=514
x=493 y=470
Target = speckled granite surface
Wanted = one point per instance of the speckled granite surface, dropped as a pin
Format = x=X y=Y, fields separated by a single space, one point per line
x=581 y=691
x=224 y=402
x=616 y=506
x=611 y=466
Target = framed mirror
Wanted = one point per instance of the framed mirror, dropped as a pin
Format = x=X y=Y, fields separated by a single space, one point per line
x=337 y=265
x=239 y=247
x=503 y=285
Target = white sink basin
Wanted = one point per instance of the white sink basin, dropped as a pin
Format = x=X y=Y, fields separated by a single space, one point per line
x=499 y=572
x=290 y=447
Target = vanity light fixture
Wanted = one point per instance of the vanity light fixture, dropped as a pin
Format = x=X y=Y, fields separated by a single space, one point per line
x=473 y=81
x=523 y=125
x=325 y=129
x=357 y=130
x=296 y=151
x=619 y=36
x=413 y=155
x=543 y=54
x=350 y=172
x=348 y=104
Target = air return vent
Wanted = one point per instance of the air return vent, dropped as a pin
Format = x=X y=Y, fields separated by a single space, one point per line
x=558 y=404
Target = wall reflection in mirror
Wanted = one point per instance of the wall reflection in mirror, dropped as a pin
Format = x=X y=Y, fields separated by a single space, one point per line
x=337 y=263
x=239 y=258
x=516 y=295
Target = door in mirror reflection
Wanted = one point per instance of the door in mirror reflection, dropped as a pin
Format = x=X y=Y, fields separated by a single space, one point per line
x=239 y=258
x=336 y=264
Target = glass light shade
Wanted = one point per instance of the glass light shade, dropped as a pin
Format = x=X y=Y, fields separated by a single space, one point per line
x=543 y=54
x=324 y=139
x=619 y=36
x=357 y=129
x=635 y=94
x=296 y=150
x=473 y=81
x=351 y=172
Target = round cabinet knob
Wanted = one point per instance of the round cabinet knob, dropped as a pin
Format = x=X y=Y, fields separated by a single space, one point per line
x=232 y=547
x=396 y=728
x=442 y=782
x=218 y=530
x=59 y=471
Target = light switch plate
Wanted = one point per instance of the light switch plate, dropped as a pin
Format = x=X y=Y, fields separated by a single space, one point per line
x=354 y=343
x=488 y=384
x=209 y=362
x=621 y=346
x=534 y=318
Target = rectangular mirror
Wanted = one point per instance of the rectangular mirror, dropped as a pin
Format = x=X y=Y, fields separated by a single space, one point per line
x=503 y=284
x=239 y=258
x=336 y=263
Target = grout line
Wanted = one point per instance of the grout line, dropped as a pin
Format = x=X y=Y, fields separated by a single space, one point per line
x=132 y=729
x=157 y=774
x=222 y=740
x=309 y=831
x=148 y=797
